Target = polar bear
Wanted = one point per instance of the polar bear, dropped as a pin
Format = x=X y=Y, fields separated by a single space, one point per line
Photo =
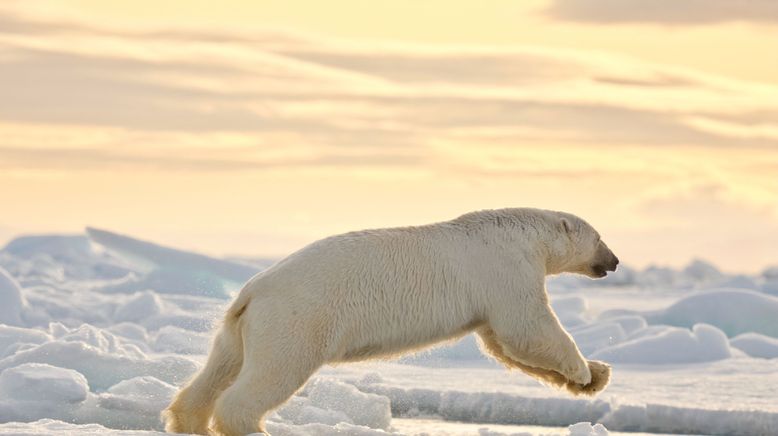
x=380 y=293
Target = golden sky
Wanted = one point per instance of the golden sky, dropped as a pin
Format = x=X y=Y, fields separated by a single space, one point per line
x=255 y=127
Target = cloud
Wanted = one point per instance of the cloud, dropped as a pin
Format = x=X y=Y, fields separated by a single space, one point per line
x=665 y=11
x=705 y=219
x=328 y=102
x=91 y=158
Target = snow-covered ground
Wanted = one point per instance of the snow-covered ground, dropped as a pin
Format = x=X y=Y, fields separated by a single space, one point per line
x=97 y=330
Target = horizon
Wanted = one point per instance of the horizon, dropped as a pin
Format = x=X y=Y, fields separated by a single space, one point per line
x=247 y=257
x=255 y=129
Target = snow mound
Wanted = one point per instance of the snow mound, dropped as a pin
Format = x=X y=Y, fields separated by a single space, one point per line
x=704 y=343
x=587 y=429
x=48 y=427
x=361 y=408
x=139 y=306
x=133 y=403
x=60 y=257
x=569 y=309
x=100 y=356
x=33 y=391
x=171 y=339
x=734 y=311
x=175 y=271
x=499 y=408
x=13 y=339
x=43 y=383
x=756 y=345
x=12 y=302
x=316 y=429
x=597 y=336
x=139 y=394
x=463 y=350
x=770 y=273
x=702 y=271
x=669 y=419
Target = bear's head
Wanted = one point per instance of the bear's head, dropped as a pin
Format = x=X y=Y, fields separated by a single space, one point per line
x=579 y=249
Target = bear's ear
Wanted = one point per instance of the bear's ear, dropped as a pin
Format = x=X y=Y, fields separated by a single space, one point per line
x=565 y=225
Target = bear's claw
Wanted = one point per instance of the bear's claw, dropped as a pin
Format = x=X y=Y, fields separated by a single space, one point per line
x=601 y=374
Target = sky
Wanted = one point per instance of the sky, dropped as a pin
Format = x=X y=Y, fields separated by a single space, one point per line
x=255 y=127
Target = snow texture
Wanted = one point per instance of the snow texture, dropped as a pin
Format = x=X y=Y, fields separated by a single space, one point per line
x=756 y=345
x=704 y=343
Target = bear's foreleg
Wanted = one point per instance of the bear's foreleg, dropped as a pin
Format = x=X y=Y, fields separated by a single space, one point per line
x=491 y=345
x=543 y=350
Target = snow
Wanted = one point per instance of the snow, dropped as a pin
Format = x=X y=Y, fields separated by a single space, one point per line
x=704 y=343
x=13 y=303
x=43 y=383
x=98 y=332
x=684 y=420
x=103 y=358
x=734 y=311
x=177 y=271
x=756 y=345
x=363 y=409
x=47 y=427
x=587 y=429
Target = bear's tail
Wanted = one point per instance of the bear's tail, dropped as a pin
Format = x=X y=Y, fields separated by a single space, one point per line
x=236 y=309
x=192 y=407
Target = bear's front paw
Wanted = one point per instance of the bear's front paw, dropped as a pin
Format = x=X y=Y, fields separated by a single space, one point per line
x=581 y=375
x=600 y=376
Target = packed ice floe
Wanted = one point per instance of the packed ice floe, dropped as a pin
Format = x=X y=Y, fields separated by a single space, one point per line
x=98 y=330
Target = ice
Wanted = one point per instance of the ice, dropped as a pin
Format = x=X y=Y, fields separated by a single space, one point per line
x=132 y=403
x=141 y=305
x=60 y=257
x=100 y=356
x=703 y=343
x=698 y=274
x=174 y=270
x=463 y=350
x=770 y=273
x=500 y=408
x=756 y=345
x=569 y=309
x=597 y=336
x=48 y=427
x=43 y=383
x=171 y=339
x=690 y=420
x=629 y=323
x=364 y=409
x=702 y=271
x=141 y=394
x=12 y=302
x=734 y=311
x=32 y=391
x=13 y=339
x=740 y=281
x=316 y=429
x=587 y=429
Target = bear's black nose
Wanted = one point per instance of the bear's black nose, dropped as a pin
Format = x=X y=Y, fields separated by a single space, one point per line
x=614 y=263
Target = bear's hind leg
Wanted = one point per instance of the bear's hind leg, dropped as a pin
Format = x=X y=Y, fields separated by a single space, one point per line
x=190 y=411
x=269 y=377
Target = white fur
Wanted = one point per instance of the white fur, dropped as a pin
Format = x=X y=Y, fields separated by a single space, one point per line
x=380 y=293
